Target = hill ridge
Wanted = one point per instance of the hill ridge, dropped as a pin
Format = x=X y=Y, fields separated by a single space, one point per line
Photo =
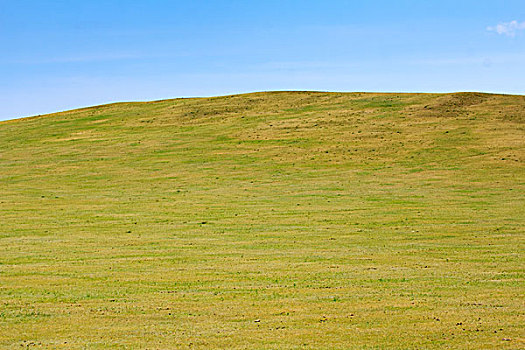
x=247 y=94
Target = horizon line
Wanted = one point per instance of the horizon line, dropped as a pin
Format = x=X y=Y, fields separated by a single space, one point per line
x=110 y=103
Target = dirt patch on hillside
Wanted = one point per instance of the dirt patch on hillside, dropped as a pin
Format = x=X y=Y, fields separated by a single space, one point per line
x=449 y=105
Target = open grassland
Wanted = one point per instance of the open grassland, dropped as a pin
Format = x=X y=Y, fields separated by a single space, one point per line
x=279 y=220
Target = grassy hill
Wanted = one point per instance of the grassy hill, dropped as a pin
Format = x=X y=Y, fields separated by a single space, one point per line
x=277 y=220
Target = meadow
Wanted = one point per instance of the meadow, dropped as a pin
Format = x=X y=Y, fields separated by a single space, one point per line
x=277 y=220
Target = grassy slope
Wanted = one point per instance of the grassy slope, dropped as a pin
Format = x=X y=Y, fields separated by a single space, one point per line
x=336 y=220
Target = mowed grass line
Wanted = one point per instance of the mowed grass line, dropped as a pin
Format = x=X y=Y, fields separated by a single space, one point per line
x=270 y=220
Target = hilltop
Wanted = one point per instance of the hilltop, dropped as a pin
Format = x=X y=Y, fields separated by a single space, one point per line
x=267 y=220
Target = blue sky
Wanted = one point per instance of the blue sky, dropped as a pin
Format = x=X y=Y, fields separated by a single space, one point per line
x=58 y=55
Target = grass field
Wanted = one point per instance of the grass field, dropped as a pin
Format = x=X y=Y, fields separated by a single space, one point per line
x=280 y=220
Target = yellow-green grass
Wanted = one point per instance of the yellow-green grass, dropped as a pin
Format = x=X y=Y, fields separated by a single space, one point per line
x=279 y=220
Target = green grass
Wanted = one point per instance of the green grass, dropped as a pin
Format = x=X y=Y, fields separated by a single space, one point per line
x=281 y=220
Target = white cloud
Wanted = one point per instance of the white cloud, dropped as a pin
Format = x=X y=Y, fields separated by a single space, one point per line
x=507 y=28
